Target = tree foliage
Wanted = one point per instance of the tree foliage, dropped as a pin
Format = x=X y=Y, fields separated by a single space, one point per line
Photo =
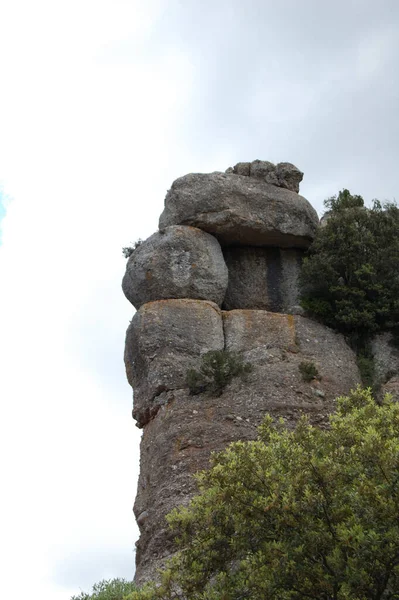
x=350 y=279
x=111 y=589
x=307 y=513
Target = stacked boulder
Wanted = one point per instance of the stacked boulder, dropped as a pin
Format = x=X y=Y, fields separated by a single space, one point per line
x=221 y=274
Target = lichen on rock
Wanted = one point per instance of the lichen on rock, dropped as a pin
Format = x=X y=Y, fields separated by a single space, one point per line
x=177 y=262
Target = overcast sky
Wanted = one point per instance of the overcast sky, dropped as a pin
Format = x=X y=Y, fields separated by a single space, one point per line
x=103 y=103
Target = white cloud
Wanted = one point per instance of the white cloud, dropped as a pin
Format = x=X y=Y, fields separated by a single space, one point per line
x=83 y=153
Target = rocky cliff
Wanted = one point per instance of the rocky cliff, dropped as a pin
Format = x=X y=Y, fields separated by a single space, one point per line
x=221 y=274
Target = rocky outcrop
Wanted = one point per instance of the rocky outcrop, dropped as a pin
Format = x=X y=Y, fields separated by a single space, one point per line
x=177 y=262
x=184 y=430
x=178 y=281
x=240 y=210
x=285 y=175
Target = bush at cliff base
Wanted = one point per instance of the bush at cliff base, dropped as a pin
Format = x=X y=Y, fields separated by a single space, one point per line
x=297 y=514
x=350 y=279
x=108 y=589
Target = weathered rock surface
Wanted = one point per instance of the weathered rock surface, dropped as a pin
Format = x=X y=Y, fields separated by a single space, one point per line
x=289 y=176
x=179 y=438
x=386 y=364
x=242 y=168
x=240 y=210
x=178 y=262
x=264 y=226
x=263 y=169
x=285 y=175
x=262 y=278
x=164 y=339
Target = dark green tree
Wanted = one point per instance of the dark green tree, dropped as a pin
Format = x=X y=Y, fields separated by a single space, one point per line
x=350 y=279
x=299 y=514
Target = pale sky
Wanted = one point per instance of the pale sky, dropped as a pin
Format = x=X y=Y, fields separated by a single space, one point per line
x=103 y=103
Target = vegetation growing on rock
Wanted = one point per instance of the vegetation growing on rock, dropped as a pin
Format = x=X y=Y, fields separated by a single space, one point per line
x=350 y=278
x=127 y=251
x=308 y=513
x=308 y=370
x=218 y=368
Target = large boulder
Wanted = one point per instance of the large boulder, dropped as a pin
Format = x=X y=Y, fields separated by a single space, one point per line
x=241 y=210
x=285 y=175
x=164 y=340
x=289 y=176
x=262 y=278
x=178 y=262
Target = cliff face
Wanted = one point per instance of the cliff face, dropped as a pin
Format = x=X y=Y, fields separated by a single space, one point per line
x=221 y=274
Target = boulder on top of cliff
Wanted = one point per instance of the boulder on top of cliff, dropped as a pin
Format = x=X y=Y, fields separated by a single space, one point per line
x=240 y=210
x=289 y=176
x=177 y=262
x=265 y=170
x=285 y=175
x=163 y=341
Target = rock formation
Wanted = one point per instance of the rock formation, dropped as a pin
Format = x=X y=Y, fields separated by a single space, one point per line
x=251 y=224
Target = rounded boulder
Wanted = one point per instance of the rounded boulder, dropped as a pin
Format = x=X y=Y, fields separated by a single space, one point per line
x=176 y=262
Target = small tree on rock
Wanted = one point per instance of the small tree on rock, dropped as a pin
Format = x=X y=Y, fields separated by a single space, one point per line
x=350 y=279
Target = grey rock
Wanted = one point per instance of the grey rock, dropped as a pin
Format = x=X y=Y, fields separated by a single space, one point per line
x=241 y=210
x=289 y=176
x=296 y=310
x=262 y=278
x=319 y=393
x=265 y=170
x=168 y=462
x=164 y=340
x=391 y=387
x=229 y=170
x=141 y=519
x=386 y=358
x=242 y=168
x=179 y=262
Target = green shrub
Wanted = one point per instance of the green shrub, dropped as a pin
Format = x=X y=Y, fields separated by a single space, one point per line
x=111 y=589
x=306 y=513
x=308 y=370
x=128 y=250
x=218 y=368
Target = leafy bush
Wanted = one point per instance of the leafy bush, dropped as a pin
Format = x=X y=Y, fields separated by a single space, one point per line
x=308 y=370
x=128 y=250
x=112 y=589
x=218 y=368
x=350 y=278
x=307 y=513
